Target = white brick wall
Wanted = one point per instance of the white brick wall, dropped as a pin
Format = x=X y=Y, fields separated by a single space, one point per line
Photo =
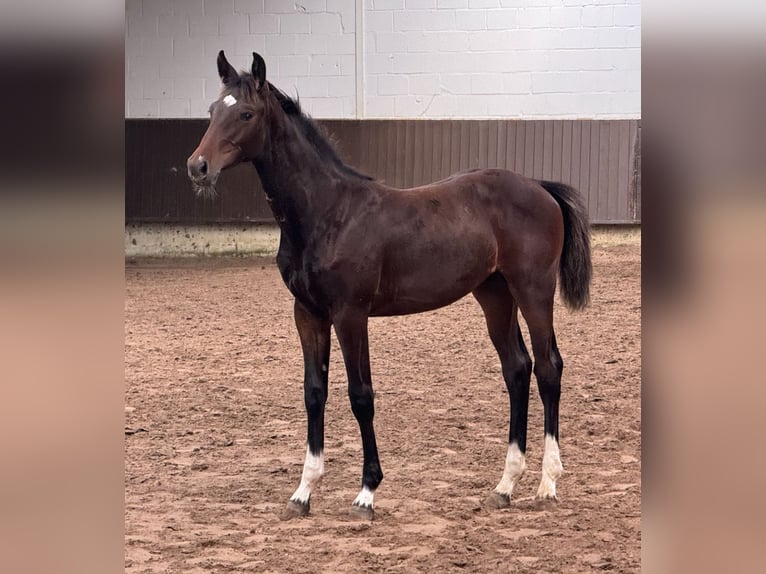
x=171 y=46
x=422 y=58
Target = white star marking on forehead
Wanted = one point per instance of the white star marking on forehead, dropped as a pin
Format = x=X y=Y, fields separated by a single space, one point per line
x=229 y=100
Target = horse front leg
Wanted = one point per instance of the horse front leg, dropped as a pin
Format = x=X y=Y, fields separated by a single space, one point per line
x=314 y=334
x=351 y=329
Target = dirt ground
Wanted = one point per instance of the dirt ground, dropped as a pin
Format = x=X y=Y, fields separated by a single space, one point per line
x=215 y=434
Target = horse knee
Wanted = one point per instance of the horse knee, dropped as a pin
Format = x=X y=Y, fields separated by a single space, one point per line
x=518 y=372
x=548 y=377
x=315 y=398
x=362 y=402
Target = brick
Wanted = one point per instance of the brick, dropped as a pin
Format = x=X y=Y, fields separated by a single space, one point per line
x=344 y=44
x=627 y=15
x=248 y=6
x=134 y=88
x=203 y=25
x=387 y=42
x=279 y=6
x=388 y=4
x=443 y=106
x=312 y=43
x=143 y=108
x=213 y=44
x=233 y=24
x=156 y=47
x=264 y=24
x=393 y=85
x=293 y=65
x=141 y=26
x=311 y=87
x=424 y=84
x=379 y=63
x=502 y=19
x=470 y=20
x=347 y=11
x=132 y=8
x=597 y=16
x=326 y=107
x=143 y=67
x=422 y=41
x=326 y=23
x=188 y=7
x=311 y=6
x=379 y=21
x=175 y=108
x=453 y=41
x=198 y=108
x=490 y=41
x=517 y=83
x=342 y=85
x=219 y=7
x=294 y=24
x=452 y=3
x=246 y=44
x=378 y=107
x=455 y=83
x=347 y=65
x=534 y=17
x=159 y=89
x=502 y=106
x=192 y=88
x=487 y=84
x=566 y=17
x=325 y=65
x=424 y=20
x=280 y=45
x=410 y=63
x=483 y=3
x=419 y=4
x=156 y=7
x=189 y=50
x=170 y=26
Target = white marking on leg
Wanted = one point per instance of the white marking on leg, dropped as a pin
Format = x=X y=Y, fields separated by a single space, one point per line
x=313 y=469
x=515 y=465
x=324 y=368
x=229 y=100
x=364 y=498
x=552 y=468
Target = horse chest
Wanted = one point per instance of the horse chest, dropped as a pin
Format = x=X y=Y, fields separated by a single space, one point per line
x=302 y=283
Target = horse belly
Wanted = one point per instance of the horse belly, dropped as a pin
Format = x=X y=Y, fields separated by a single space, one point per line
x=413 y=285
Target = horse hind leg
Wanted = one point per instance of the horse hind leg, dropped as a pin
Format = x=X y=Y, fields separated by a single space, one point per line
x=536 y=304
x=501 y=314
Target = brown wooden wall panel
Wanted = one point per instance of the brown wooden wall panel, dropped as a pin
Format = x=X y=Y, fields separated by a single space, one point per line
x=601 y=158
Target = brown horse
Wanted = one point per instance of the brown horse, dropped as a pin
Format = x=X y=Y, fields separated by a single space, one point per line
x=353 y=248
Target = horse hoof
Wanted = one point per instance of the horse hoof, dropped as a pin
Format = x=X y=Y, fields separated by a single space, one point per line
x=362 y=512
x=295 y=509
x=498 y=500
x=546 y=502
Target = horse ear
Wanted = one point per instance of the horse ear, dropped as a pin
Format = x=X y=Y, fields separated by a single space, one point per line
x=259 y=70
x=225 y=70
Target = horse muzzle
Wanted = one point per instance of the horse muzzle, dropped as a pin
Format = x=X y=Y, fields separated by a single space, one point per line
x=198 y=169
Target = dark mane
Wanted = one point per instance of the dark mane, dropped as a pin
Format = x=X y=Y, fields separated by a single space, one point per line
x=308 y=127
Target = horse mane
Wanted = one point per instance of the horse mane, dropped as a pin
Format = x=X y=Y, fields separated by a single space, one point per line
x=308 y=127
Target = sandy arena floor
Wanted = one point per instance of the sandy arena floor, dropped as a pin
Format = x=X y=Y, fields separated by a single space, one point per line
x=215 y=431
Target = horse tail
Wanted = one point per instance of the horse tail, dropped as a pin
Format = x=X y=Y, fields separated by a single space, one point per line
x=576 y=267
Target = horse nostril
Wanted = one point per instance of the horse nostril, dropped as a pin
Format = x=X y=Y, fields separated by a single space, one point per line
x=203 y=167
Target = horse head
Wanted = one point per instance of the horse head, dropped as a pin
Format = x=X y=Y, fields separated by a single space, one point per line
x=237 y=130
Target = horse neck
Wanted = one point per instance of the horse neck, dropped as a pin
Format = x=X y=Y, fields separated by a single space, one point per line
x=301 y=186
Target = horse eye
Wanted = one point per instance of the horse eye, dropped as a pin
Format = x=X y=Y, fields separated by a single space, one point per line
x=246 y=115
